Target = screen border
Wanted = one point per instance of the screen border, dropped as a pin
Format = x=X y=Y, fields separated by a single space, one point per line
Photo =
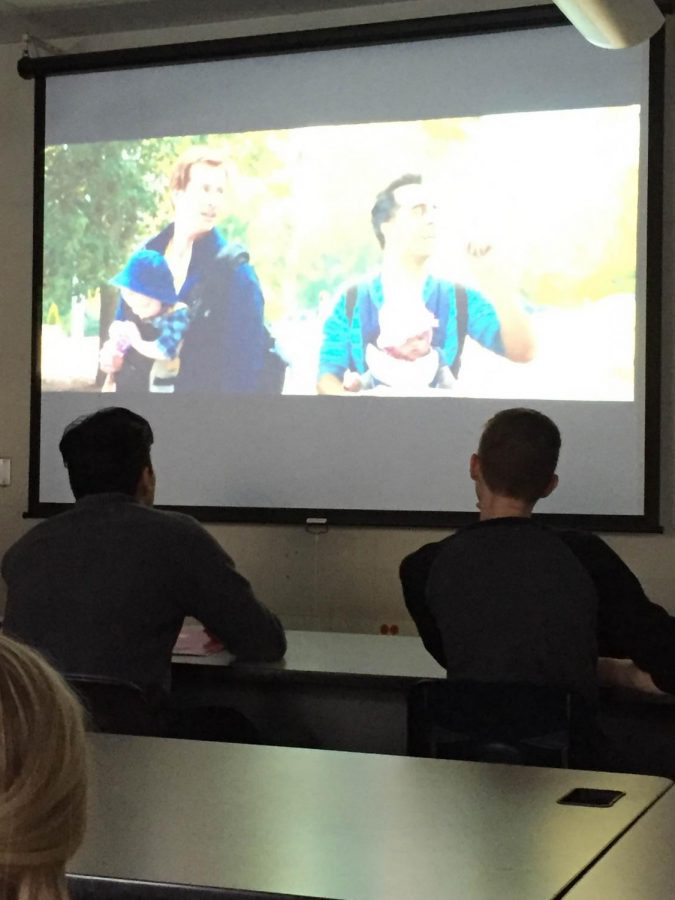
x=327 y=39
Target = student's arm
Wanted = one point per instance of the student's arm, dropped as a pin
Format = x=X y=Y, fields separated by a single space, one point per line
x=414 y=574
x=225 y=604
x=625 y=674
x=630 y=626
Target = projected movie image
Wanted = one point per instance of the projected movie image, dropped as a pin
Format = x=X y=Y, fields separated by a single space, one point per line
x=490 y=257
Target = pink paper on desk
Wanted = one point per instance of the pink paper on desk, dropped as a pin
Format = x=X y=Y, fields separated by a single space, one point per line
x=194 y=641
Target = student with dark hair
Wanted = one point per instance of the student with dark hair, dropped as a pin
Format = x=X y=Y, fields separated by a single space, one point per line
x=108 y=451
x=103 y=588
x=509 y=599
x=405 y=290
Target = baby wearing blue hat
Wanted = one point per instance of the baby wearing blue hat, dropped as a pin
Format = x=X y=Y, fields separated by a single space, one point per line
x=147 y=287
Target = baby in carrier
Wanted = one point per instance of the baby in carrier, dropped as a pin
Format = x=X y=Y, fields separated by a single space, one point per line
x=402 y=357
x=147 y=288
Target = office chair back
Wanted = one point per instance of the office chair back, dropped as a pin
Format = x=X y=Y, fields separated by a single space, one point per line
x=115 y=706
x=521 y=724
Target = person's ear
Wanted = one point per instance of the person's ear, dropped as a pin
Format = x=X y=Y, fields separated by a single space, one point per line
x=474 y=467
x=552 y=485
x=145 y=492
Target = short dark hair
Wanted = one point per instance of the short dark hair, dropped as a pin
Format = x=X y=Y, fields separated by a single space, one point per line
x=106 y=451
x=386 y=205
x=518 y=453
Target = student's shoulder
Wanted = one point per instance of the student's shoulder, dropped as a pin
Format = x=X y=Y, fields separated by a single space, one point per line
x=169 y=520
x=41 y=531
x=424 y=556
x=583 y=542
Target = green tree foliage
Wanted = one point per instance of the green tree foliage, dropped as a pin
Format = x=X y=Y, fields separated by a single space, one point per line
x=100 y=199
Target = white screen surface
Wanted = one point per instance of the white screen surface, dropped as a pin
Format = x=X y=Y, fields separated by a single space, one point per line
x=526 y=139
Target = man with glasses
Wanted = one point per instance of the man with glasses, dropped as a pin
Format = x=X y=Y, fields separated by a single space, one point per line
x=405 y=327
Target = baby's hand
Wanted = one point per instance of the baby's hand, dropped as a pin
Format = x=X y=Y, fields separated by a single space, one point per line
x=123 y=334
x=110 y=360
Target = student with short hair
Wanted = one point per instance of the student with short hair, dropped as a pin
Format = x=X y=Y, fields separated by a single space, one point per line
x=43 y=777
x=505 y=600
x=103 y=588
x=498 y=608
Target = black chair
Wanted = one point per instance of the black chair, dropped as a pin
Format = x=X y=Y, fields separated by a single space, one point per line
x=520 y=724
x=117 y=707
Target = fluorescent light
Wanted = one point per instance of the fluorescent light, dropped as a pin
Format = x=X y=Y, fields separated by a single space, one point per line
x=613 y=23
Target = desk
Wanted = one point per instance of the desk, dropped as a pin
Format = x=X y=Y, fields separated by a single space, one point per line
x=332 y=690
x=307 y=823
x=640 y=864
x=322 y=656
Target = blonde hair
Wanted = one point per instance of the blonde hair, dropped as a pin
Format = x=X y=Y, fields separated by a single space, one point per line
x=43 y=782
x=199 y=154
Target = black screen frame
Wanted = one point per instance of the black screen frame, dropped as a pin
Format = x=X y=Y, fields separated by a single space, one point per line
x=324 y=39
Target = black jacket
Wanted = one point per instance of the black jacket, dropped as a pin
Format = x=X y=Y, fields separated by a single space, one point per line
x=629 y=625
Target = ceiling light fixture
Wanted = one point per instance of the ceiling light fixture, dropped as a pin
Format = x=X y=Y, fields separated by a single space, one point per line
x=613 y=24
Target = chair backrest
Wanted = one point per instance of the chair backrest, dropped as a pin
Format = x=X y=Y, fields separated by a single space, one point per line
x=516 y=723
x=115 y=706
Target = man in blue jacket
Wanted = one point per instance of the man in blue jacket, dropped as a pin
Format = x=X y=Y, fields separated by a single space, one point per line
x=406 y=290
x=227 y=344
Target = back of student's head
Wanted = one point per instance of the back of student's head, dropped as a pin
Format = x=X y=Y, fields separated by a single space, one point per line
x=43 y=779
x=518 y=453
x=106 y=451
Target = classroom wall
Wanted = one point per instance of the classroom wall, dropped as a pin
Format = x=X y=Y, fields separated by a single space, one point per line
x=345 y=579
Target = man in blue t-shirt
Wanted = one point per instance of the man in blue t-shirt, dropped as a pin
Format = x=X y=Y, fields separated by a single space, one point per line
x=405 y=327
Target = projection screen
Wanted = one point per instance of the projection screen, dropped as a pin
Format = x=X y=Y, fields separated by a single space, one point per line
x=216 y=249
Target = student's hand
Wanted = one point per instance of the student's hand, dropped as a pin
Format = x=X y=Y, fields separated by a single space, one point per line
x=624 y=673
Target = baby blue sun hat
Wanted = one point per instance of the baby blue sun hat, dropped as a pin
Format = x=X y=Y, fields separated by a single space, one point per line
x=148 y=273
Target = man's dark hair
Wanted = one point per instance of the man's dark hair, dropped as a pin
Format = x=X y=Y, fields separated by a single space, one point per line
x=385 y=203
x=518 y=453
x=106 y=451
